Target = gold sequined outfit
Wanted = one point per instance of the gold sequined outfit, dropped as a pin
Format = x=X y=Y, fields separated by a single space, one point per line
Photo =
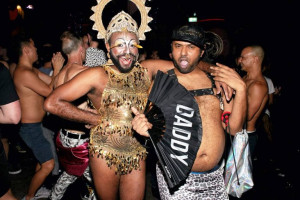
x=113 y=138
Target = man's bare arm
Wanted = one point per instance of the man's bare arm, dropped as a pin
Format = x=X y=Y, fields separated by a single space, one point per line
x=60 y=101
x=44 y=77
x=153 y=65
x=57 y=62
x=10 y=113
x=204 y=66
x=29 y=79
x=164 y=65
x=70 y=112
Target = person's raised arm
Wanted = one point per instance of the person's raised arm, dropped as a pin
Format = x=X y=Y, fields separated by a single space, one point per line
x=220 y=86
x=57 y=63
x=238 y=105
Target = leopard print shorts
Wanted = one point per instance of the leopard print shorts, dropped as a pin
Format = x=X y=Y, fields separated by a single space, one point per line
x=205 y=186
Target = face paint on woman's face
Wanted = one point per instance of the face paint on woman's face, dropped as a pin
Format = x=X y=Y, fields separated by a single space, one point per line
x=124 y=50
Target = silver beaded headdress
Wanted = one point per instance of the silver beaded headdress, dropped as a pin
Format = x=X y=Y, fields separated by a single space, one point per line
x=122 y=21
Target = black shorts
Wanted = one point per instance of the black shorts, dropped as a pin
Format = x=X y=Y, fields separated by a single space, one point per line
x=32 y=135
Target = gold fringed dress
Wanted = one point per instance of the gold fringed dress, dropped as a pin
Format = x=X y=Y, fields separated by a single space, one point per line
x=113 y=138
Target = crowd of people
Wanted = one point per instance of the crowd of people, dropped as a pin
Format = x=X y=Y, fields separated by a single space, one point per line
x=81 y=112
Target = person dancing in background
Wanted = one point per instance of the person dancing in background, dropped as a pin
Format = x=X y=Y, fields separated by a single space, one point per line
x=72 y=140
x=32 y=87
x=251 y=60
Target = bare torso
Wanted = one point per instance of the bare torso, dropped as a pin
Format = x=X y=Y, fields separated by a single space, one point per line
x=257 y=103
x=31 y=102
x=66 y=74
x=213 y=137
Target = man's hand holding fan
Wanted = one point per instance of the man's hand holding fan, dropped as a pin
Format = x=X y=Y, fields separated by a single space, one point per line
x=172 y=121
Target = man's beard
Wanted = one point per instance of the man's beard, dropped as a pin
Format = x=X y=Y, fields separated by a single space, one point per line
x=115 y=60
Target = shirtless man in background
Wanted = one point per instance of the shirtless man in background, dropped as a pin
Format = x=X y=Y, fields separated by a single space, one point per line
x=71 y=134
x=250 y=60
x=32 y=87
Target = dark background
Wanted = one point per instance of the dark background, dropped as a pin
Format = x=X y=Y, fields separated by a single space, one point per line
x=272 y=24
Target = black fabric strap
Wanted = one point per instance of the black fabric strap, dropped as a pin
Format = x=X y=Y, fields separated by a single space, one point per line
x=211 y=79
x=199 y=92
x=171 y=72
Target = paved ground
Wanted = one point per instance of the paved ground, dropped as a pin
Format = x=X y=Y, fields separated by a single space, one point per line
x=269 y=182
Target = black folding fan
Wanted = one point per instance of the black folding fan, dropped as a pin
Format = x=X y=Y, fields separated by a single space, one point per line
x=177 y=129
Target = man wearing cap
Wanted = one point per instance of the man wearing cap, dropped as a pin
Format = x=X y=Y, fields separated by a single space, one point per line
x=117 y=159
x=189 y=46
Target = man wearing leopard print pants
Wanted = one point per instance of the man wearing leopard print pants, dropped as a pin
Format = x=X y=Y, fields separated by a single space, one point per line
x=190 y=43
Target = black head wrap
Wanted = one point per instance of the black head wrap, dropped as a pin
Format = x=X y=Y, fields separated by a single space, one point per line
x=190 y=33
